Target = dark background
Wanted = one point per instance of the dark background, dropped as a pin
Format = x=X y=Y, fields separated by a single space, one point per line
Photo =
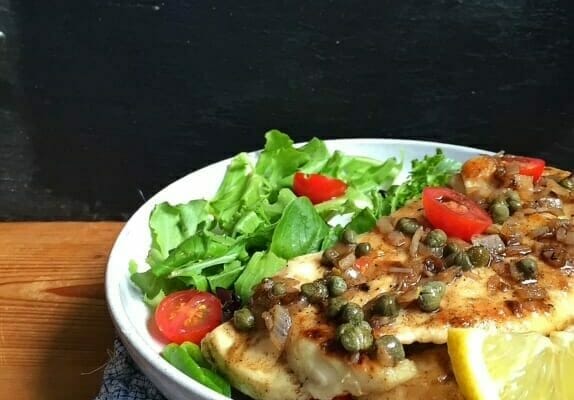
x=104 y=102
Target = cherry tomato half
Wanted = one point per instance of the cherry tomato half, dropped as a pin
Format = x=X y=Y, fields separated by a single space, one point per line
x=188 y=315
x=454 y=213
x=318 y=188
x=527 y=166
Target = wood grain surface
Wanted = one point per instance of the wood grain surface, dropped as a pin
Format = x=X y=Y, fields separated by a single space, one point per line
x=55 y=331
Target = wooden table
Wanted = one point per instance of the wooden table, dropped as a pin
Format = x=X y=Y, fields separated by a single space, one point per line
x=55 y=331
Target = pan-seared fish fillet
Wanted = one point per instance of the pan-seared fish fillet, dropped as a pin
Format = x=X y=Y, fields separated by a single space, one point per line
x=434 y=379
x=328 y=373
x=309 y=366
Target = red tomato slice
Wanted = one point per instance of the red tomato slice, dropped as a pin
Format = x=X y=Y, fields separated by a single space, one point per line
x=454 y=213
x=318 y=188
x=527 y=166
x=188 y=315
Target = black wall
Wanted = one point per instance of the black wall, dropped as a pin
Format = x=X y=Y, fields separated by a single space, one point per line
x=105 y=101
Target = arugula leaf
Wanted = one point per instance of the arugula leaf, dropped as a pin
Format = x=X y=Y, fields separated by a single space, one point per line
x=299 y=231
x=435 y=170
x=261 y=265
x=196 y=266
x=188 y=359
x=227 y=277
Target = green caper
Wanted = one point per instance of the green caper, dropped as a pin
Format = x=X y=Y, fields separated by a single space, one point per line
x=334 y=306
x=436 y=238
x=514 y=206
x=512 y=195
x=528 y=267
x=355 y=337
x=362 y=249
x=568 y=183
x=479 y=256
x=351 y=312
x=408 y=226
x=499 y=211
x=386 y=305
x=349 y=236
x=391 y=346
x=316 y=292
x=279 y=289
x=513 y=200
x=243 y=319
x=330 y=257
x=336 y=285
x=430 y=296
x=451 y=248
x=462 y=260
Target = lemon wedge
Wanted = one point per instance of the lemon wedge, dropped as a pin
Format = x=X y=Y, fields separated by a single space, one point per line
x=512 y=366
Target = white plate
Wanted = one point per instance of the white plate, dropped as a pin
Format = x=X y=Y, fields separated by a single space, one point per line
x=130 y=314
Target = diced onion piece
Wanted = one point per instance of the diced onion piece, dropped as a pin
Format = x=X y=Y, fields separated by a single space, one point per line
x=556 y=188
x=278 y=323
x=524 y=186
x=492 y=242
x=396 y=238
x=416 y=240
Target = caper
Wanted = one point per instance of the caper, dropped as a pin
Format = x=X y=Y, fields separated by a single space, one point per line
x=436 y=238
x=334 y=306
x=362 y=249
x=514 y=206
x=462 y=260
x=479 y=256
x=330 y=257
x=316 y=292
x=279 y=289
x=430 y=296
x=513 y=195
x=568 y=183
x=499 y=211
x=351 y=312
x=355 y=337
x=451 y=248
x=513 y=200
x=528 y=267
x=349 y=236
x=386 y=306
x=408 y=226
x=391 y=346
x=337 y=285
x=243 y=319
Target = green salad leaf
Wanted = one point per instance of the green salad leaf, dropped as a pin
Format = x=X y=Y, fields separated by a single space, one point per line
x=261 y=265
x=188 y=359
x=435 y=170
x=299 y=231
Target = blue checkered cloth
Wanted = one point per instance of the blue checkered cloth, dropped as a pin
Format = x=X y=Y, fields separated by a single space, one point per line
x=124 y=381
